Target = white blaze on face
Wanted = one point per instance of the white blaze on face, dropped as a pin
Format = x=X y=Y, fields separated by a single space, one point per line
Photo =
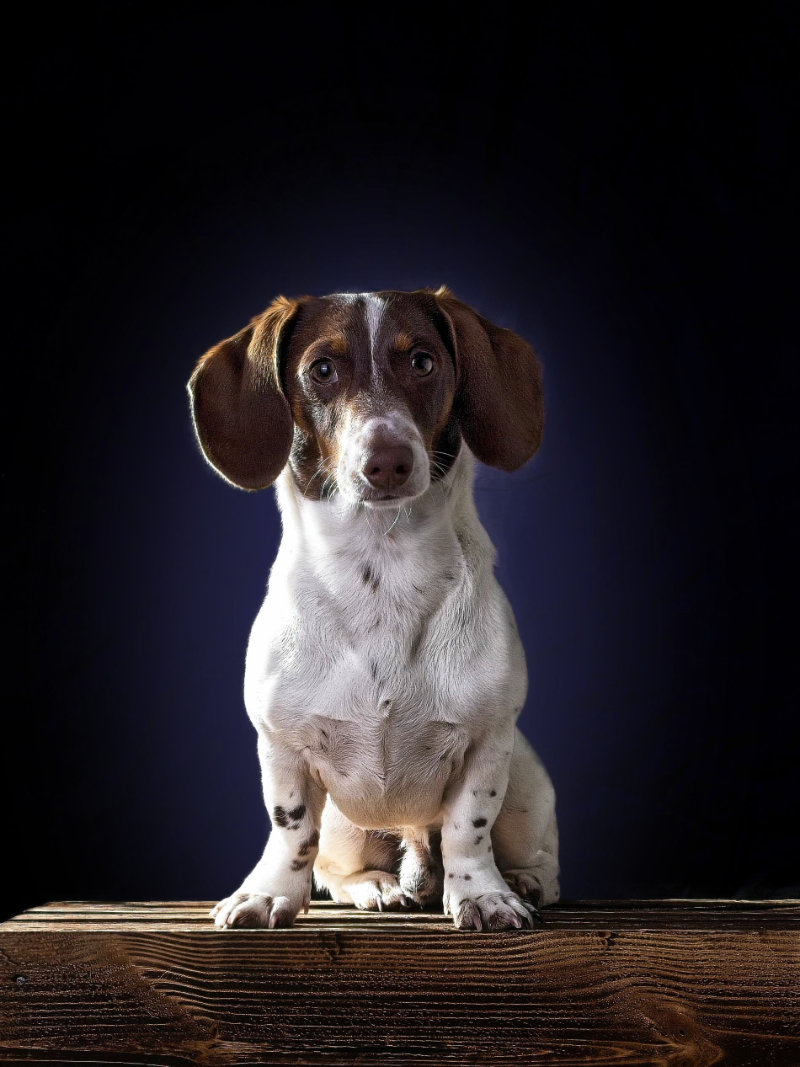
x=374 y=307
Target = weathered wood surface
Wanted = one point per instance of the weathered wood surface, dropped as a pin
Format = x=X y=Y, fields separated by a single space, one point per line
x=615 y=982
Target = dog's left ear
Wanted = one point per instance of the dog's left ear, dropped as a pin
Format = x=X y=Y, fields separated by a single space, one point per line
x=241 y=417
x=499 y=401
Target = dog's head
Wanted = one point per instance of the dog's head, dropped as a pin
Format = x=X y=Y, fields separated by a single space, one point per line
x=367 y=395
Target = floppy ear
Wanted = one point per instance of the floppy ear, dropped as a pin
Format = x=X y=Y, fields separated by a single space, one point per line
x=241 y=417
x=499 y=402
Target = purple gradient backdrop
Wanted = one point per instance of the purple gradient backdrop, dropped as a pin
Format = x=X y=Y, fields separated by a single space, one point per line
x=622 y=193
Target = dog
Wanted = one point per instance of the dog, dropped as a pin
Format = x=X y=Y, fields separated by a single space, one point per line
x=384 y=671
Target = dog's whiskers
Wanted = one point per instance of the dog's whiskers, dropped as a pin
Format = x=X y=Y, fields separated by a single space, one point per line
x=395 y=521
x=440 y=467
x=321 y=469
x=328 y=484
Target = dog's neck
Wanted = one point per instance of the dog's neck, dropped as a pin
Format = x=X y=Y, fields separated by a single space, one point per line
x=323 y=532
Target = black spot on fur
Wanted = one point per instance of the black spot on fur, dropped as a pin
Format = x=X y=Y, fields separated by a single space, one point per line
x=478 y=822
x=451 y=875
x=478 y=839
x=308 y=844
x=370 y=579
x=492 y=792
x=467 y=877
x=298 y=865
x=450 y=577
x=289 y=820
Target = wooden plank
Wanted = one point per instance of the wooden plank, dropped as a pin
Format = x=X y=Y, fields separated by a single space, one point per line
x=604 y=982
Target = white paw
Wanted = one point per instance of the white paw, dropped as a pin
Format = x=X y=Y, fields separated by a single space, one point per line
x=375 y=891
x=253 y=910
x=492 y=911
x=420 y=881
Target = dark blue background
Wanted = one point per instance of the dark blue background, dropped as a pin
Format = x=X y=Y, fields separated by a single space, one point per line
x=619 y=190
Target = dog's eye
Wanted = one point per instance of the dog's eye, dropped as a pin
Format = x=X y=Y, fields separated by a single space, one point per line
x=421 y=364
x=324 y=372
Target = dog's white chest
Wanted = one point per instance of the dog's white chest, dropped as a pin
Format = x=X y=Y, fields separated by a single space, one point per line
x=383 y=763
x=378 y=662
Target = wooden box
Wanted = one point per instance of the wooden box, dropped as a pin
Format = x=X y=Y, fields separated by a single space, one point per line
x=601 y=982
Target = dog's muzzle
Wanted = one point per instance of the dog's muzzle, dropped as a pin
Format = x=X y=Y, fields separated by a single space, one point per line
x=384 y=462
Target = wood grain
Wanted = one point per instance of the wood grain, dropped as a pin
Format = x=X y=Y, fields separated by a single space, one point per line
x=604 y=982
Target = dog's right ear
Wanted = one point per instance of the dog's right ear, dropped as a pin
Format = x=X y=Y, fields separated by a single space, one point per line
x=241 y=417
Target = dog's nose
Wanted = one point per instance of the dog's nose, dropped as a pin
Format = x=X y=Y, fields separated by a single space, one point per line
x=388 y=467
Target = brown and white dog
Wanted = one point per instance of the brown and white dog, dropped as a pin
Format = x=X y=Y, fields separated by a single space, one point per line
x=384 y=671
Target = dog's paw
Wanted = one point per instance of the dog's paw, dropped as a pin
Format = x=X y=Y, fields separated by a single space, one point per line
x=525 y=884
x=493 y=911
x=375 y=891
x=251 y=910
x=421 y=881
x=536 y=885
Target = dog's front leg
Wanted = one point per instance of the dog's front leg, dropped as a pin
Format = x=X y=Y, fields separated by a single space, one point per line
x=475 y=893
x=280 y=883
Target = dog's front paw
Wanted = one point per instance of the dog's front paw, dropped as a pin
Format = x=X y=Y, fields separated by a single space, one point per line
x=253 y=910
x=492 y=911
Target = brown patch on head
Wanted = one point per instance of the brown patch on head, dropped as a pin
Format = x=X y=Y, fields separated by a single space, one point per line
x=337 y=344
x=402 y=342
x=318 y=409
